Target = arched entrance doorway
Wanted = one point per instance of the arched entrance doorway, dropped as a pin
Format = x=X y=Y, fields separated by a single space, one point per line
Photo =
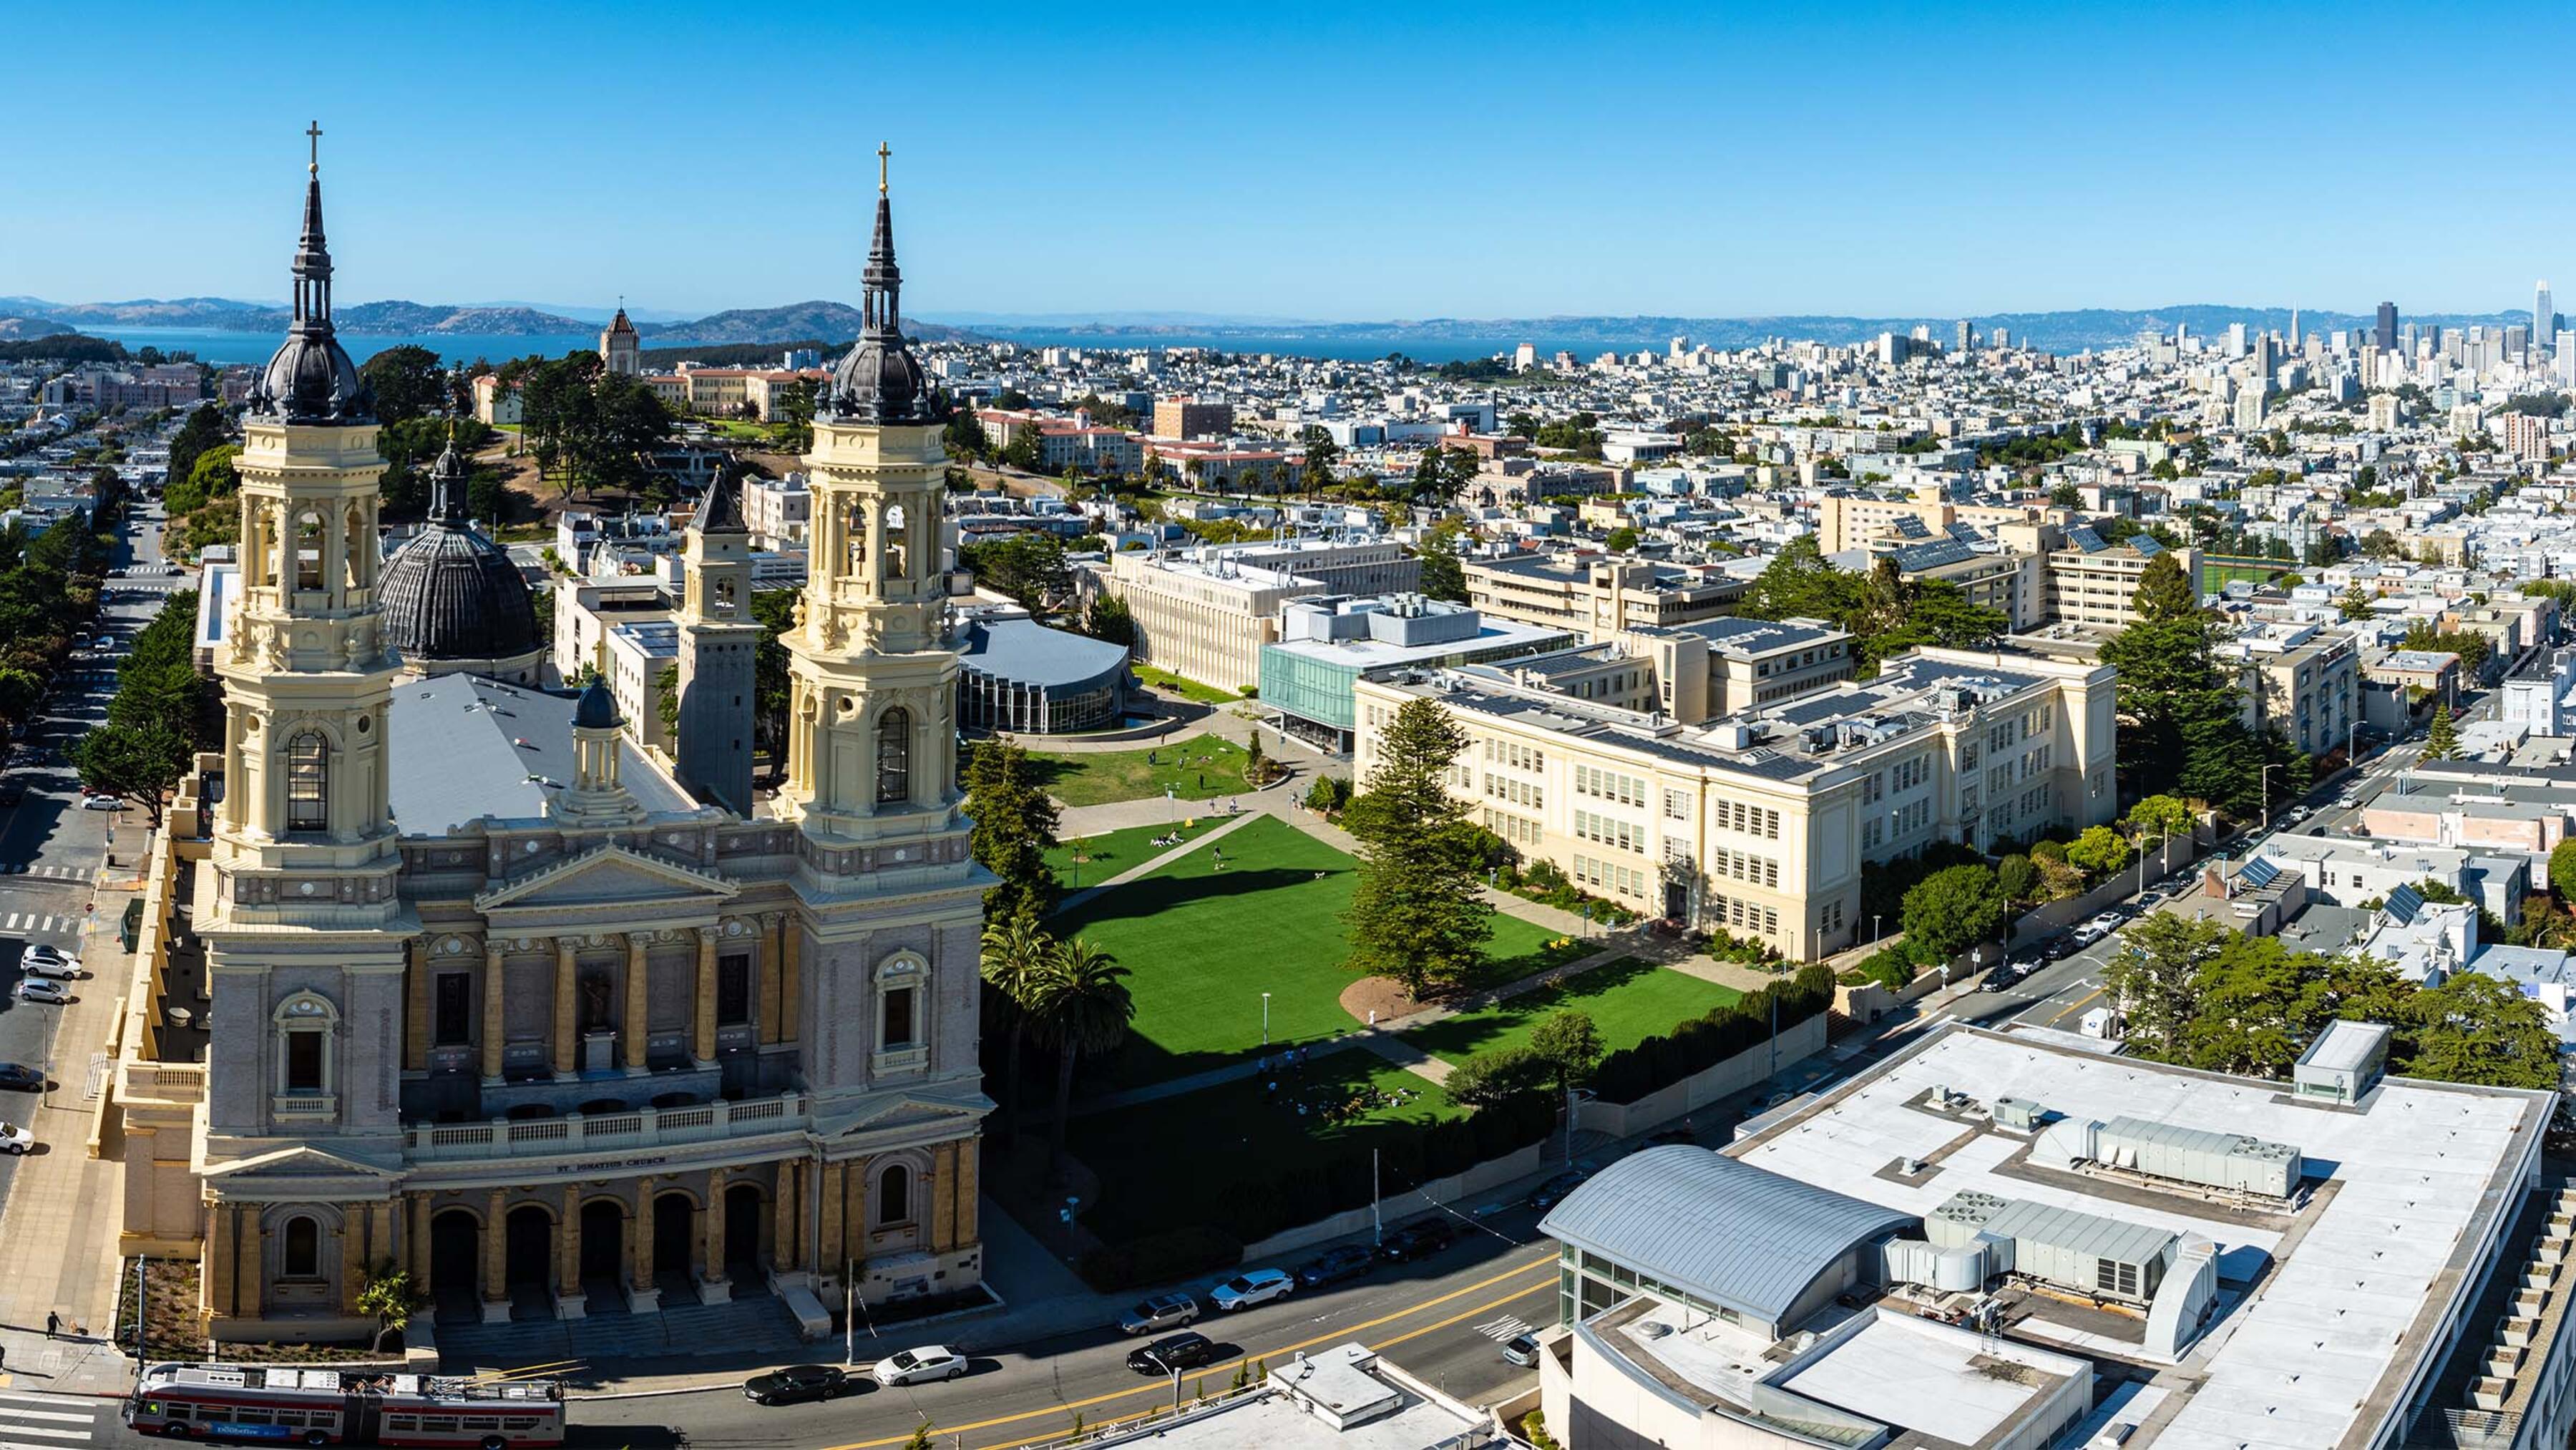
x=603 y=1240
x=455 y=1258
x=528 y=1249
x=743 y=1218
x=675 y=1222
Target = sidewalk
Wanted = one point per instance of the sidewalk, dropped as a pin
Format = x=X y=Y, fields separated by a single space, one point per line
x=58 y=1236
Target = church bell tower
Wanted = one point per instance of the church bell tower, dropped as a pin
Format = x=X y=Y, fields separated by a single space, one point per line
x=719 y=642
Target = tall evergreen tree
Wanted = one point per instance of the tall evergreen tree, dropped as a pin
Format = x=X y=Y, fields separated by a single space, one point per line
x=1442 y=577
x=1417 y=915
x=2442 y=738
x=2186 y=736
x=1015 y=825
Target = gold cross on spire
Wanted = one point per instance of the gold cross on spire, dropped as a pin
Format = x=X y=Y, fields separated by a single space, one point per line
x=883 y=151
x=313 y=133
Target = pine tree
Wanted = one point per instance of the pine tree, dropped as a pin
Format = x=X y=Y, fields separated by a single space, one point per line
x=1417 y=915
x=2442 y=739
x=1015 y=825
x=2180 y=730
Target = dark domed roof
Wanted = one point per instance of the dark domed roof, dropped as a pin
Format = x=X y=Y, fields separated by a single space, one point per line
x=452 y=594
x=596 y=709
x=881 y=382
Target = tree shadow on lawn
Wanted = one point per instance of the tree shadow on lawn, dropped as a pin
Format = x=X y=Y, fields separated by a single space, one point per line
x=1476 y=1028
x=1153 y=895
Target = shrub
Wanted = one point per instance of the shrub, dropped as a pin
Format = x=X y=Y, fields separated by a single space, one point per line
x=1889 y=968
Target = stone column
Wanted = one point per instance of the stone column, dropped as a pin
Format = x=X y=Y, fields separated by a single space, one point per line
x=353 y=1256
x=419 y=1234
x=640 y=1271
x=569 y=1295
x=639 y=997
x=791 y=983
x=782 y=1218
x=416 y=1007
x=943 y=1198
x=496 y=993
x=702 y=1043
x=711 y=1283
x=769 y=1018
x=222 y=1255
x=827 y=1247
x=567 y=1045
x=496 y=1263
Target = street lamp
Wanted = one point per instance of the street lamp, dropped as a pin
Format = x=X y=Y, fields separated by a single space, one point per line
x=1875 y=918
x=2267 y=795
x=1265 y=1021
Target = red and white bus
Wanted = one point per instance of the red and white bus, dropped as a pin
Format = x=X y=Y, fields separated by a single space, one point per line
x=333 y=1407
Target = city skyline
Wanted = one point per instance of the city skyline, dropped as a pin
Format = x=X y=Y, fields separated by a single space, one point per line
x=1626 y=164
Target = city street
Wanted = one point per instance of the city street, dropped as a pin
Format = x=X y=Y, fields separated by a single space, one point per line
x=52 y=852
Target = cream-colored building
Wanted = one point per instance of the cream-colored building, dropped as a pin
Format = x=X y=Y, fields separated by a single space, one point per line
x=1759 y=823
x=2091 y=582
x=1206 y=613
x=1599 y=598
x=1853 y=520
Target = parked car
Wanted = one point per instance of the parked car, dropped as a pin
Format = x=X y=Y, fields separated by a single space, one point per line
x=1187 y=1350
x=44 y=961
x=15 y=1140
x=797 y=1383
x=1254 y=1286
x=2061 y=946
x=43 y=989
x=22 y=1078
x=1417 y=1240
x=1163 y=1311
x=919 y=1366
x=1522 y=1350
x=91 y=802
x=2151 y=899
x=1332 y=1266
x=1549 y=1194
x=11 y=793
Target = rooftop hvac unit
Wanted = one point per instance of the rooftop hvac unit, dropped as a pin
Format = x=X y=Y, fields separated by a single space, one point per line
x=2017 y=1114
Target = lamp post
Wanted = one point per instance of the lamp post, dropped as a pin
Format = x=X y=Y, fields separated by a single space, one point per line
x=1875 y=918
x=2267 y=795
x=1265 y=1022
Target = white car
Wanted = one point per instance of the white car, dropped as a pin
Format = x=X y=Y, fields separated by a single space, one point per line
x=90 y=802
x=14 y=1139
x=43 y=989
x=45 y=961
x=1256 y=1286
x=919 y=1366
x=2098 y=928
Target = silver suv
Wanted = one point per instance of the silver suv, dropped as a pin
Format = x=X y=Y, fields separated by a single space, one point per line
x=1163 y=1311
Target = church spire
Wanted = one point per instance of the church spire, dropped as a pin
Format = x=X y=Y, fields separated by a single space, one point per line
x=447 y=478
x=312 y=254
x=881 y=301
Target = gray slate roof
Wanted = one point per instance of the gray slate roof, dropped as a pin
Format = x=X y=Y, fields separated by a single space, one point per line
x=1724 y=1232
x=461 y=747
x=1026 y=652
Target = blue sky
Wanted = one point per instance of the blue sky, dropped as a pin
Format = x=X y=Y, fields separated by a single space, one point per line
x=1351 y=162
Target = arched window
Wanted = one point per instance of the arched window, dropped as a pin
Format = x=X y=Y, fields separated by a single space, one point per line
x=894 y=757
x=898 y=544
x=308 y=552
x=308 y=781
x=303 y=1249
x=894 y=1196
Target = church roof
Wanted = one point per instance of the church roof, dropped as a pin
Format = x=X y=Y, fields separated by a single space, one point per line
x=450 y=593
x=880 y=381
x=461 y=747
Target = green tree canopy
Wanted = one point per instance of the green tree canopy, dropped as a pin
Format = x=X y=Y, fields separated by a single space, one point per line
x=1418 y=914
x=1015 y=825
x=1952 y=910
x=409 y=382
x=2441 y=738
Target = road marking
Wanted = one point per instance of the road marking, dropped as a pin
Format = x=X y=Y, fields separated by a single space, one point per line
x=1503 y=1328
x=2072 y=1008
x=12 y=1427
x=10 y=1417
x=1163 y=1387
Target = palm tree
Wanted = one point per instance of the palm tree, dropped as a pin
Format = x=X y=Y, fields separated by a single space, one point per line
x=1015 y=958
x=1084 y=1006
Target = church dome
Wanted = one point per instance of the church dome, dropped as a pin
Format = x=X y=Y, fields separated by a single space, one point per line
x=451 y=594
x=312 y=380
x=596 y=709
x=881 y=382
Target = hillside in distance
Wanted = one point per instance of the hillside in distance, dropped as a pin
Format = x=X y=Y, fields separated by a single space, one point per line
x=837 y=322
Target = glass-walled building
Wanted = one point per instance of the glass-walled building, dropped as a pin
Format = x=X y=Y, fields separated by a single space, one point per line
x=1328 y=641
x=1018 y=675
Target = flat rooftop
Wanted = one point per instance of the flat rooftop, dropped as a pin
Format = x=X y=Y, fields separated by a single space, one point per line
x=2328 y=1306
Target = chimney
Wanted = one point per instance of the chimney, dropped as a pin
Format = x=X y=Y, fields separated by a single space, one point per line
x=2211 y=883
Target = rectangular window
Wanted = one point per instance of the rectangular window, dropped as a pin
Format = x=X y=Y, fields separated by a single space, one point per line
x=898 y=1018
x=452 y=1010
x=733 y=991
x=304 y=1062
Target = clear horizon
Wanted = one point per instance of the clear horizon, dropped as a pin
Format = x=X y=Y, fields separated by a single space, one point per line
x=1338 y=166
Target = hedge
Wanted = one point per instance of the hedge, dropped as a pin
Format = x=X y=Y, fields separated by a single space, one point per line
x=1159 y=1258
x=1701 y=1043
x=1255 y=1207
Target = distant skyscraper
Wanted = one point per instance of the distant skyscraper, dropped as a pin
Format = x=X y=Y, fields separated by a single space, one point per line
x=2386 y=335
x=2294 y=329
x=1967 y=337
x=2236 y=339
x=2544 y=315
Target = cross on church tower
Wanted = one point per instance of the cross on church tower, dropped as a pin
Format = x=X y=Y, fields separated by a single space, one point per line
x=313 y=133
x=883 y=151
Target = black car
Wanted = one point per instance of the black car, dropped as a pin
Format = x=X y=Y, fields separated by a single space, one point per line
x=1552 y=1192
x=2059 y=948
x=1332 y=1266
x=1418 y=1239
x=1186 y=1350
x=21 y=1077
x=797 y=1383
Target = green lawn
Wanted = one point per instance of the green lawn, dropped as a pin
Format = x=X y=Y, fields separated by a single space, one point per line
x=1185 y=687
x=1242 y=1127
x=1205 y=942
x=1628 y=1000
x=1201 y=767
x=1110 y=852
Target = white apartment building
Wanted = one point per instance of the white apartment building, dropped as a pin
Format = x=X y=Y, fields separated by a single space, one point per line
x=1759 y=823
x=1206 y=613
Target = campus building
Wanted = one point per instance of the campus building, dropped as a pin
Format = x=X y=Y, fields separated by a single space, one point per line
x=1852 y=520
x=1328 y=641
x=1759 y=822
x=1206 y=613
x=2023 y=1239
x=445 y=972
x=1598 y=598
x=2091 y=581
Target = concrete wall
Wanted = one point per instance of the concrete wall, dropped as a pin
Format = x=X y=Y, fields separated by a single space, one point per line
x=1734 y=1075
x=1519 y=1163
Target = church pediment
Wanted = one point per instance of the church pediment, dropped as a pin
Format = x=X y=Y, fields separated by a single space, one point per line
x=903 y=1113
x=609 y=875
x=303 y=1171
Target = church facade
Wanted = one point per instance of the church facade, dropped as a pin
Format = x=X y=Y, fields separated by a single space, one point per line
x=439 y=971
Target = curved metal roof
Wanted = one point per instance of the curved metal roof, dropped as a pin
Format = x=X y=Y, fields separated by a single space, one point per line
x=1724 y=1232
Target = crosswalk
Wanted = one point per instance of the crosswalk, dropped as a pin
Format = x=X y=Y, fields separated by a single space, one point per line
x=1504 y=1328
x=48 y=873
x=28 y=921
x=46 y=1422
